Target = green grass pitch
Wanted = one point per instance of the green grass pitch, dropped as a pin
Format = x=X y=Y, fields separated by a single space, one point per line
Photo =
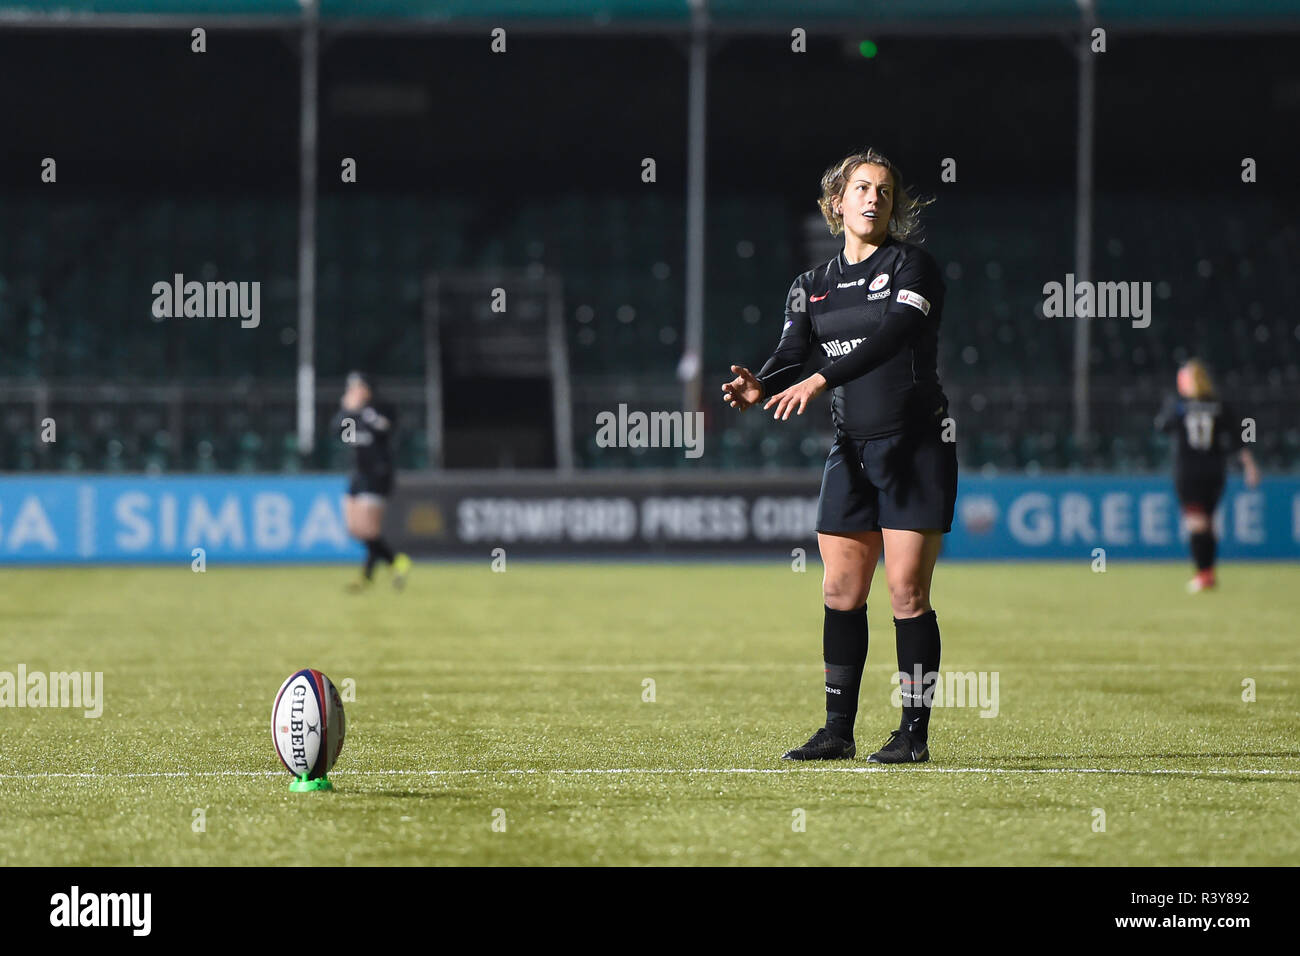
x=499 y=718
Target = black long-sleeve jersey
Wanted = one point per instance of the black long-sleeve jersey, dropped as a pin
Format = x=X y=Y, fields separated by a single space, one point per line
x=1205 y=433
x=371 y=438
x=877 y=322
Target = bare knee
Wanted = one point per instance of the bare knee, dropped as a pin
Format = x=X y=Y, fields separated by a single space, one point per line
x=908 y=599
x=364 y=521
x=844 y=592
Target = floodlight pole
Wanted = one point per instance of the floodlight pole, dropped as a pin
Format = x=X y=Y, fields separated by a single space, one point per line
x=1083 y=213
x=307 y=229
x=433 y=417
x=697 y=98
x=561 y=388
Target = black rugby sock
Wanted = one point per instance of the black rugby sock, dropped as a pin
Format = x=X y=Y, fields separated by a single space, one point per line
x=1203 y=547
x=382 y=551
x=377 y=549
x=844 y=650
x=918 y=662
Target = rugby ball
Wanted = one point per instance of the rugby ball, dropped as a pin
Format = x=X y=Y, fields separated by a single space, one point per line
x=307 y=724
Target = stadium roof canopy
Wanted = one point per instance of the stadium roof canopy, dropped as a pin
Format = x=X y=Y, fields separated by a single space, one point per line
x=766 y=15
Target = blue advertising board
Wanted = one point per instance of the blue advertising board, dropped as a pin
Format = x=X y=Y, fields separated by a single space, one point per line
x=1066 y=516
x=267 y=518
x=138 y=518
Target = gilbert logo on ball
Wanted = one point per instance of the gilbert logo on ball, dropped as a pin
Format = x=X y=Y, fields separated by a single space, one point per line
x=307 y=725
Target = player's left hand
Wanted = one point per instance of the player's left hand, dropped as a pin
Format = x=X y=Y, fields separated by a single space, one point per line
x=797 y=396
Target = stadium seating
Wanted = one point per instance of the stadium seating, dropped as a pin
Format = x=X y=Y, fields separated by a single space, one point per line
x=75 y=301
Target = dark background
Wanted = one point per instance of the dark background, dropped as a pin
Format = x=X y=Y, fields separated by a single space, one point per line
x=170 y=161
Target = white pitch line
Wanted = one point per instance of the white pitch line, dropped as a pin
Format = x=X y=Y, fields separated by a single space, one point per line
x=649 y=771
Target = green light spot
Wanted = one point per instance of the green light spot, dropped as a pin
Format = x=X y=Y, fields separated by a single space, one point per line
x=867 y=49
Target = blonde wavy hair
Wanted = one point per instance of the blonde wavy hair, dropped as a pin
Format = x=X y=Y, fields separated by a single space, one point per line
x=904 y=219
x=1195 y=378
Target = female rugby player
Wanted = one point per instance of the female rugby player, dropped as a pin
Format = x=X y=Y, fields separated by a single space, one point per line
x=891 y=480
x=1207 y=431
x=367 y=427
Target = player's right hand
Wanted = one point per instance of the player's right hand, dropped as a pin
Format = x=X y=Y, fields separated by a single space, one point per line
x=743 y=390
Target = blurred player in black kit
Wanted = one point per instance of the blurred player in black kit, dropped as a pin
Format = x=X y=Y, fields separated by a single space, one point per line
x=366 y=425
x=1205 y=432
x=890 y=482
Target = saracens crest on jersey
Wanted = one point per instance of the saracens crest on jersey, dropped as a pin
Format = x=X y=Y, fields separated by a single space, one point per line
x=882 y=314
